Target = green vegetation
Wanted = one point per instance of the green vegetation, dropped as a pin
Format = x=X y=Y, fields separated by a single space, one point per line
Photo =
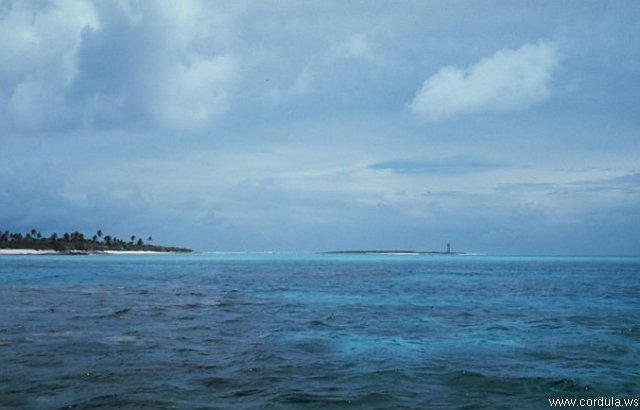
x=76 y=241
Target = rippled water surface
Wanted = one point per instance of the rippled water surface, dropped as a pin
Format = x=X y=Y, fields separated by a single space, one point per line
x=316 y=331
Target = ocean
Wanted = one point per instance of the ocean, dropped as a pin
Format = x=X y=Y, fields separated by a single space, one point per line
x=316 y=331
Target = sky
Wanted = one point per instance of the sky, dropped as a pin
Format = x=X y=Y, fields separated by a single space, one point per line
x=504 y=127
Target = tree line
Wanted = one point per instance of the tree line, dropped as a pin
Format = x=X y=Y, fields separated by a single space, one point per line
x=77 y=241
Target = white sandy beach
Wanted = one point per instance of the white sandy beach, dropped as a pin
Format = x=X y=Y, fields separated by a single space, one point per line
x=26 y=252
x=129 y=252
x=50 y=252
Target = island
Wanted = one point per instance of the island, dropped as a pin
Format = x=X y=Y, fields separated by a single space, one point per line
x=397 y=252
x=34 y=242
x=392 y=252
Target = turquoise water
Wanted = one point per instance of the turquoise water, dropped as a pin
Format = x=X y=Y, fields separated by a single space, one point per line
x=316 y=331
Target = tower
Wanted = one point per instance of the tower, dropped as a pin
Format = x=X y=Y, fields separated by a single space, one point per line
x=448 y=248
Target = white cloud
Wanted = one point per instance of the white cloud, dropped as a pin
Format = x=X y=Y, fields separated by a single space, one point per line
x=508 y=80
x=38 y=58
x=194 y=94
x=114 y=65
x=356 y=46
x=168 y=66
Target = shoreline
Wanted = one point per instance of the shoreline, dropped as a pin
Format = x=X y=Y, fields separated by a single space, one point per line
x=395 y=252
x=74 y=252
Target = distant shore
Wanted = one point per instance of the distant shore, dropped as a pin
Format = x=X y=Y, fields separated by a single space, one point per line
x=77 y=243
x=392 y=252
x=73 y=252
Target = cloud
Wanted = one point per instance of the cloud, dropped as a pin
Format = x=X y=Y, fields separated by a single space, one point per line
x=508 y=80
x=449 y=166
x=38 y=51
x=159 y=64
x=356 y=46
x=114 y=65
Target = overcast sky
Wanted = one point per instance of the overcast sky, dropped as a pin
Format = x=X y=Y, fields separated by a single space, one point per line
x=497 y=126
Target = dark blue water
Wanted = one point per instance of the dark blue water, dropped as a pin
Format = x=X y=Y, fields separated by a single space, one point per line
x=316 y=331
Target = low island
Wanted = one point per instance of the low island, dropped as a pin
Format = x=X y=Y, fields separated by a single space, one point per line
x=393 y=252
x=397 y=252
x=34 y=242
